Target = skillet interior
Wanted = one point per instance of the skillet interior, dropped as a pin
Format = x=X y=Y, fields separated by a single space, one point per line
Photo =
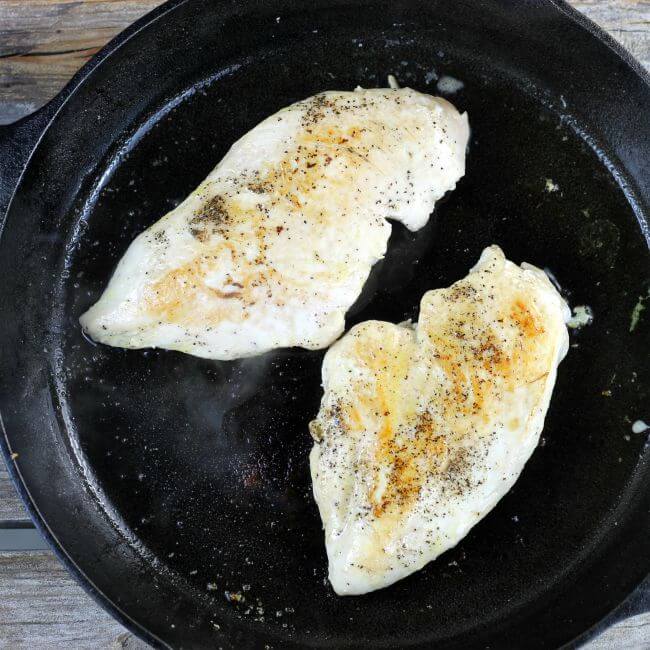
x=186 y=479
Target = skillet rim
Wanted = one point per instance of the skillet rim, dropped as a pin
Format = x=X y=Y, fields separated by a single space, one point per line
x=34 y=127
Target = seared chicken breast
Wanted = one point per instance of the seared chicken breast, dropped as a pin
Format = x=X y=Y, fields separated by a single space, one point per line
x=274 y=246
x=424 y=427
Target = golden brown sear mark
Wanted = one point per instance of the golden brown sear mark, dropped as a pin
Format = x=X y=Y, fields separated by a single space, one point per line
x=525 y=320
x=412 y=456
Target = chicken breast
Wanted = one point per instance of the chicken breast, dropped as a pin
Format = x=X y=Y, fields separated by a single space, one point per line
x=423 y=428
x=274 y=246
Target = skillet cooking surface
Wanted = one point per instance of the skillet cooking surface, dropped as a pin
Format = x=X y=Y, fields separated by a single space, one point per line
x=174 y=482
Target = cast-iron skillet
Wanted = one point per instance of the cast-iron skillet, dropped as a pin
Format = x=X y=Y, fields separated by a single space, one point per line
x=168 y=483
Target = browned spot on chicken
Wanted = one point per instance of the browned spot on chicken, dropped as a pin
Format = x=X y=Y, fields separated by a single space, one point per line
x=525 y=319
x=227 y=294
x=411 y=457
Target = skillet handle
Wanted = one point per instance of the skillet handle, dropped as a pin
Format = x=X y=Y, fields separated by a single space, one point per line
x=17 y=142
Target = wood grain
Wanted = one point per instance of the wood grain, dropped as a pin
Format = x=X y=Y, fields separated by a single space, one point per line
x=628 y=21
x=631 y=634
x=42 y=607
x=11 y=507
x=42 y=44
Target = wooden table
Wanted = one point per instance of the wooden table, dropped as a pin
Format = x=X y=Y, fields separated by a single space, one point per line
x=42 y=43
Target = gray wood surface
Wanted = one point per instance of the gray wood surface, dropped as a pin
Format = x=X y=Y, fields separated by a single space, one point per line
x=42 y=44
x=11 y=507
x=41 y=606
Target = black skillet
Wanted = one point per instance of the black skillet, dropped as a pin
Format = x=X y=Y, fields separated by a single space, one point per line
x=171 y=485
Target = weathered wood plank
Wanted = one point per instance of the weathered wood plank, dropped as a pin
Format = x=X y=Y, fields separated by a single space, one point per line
x=44 y=42
x=42 y=607
x=630 y=634
x=628 y=21
x=11 y=507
